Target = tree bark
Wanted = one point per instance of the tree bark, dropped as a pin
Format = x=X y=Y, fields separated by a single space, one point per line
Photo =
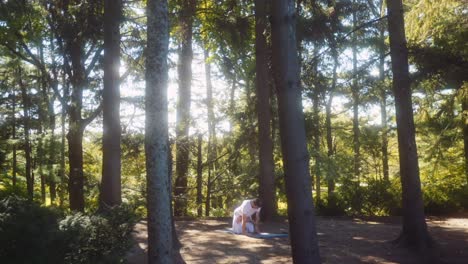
x=199 y=176
x=111 y=189
x=383 y=105
x=15 y=162
x=63 y=145
x=41 y=158
x=355 y=95
x=27 y=142
x=76 y=128
x=301 y=212
x=160 y=233
x=212 y=142
x=316 y=143
x=62 y=188
x=51 y=155
x=184 y=68
x=266 y=175
x=330 y=151
x=414 y=233
x=464 y=95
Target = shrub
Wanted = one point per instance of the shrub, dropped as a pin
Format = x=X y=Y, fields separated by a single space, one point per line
x=97 y=238
x=28 y=232
x=33 y=234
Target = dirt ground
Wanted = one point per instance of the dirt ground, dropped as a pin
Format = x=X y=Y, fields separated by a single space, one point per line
x=341 y=240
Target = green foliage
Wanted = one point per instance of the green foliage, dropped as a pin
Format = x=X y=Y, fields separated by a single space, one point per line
x=98 y=238
x=29 y=232
x=34 y=234
x=375 y=197
x=442 y=197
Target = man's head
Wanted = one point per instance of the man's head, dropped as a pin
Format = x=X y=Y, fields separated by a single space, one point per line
x=257 y=202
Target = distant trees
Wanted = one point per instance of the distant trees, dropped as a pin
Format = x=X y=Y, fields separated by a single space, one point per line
x=53 y=55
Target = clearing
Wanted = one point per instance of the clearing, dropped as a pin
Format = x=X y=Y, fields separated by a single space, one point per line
x=342 y=240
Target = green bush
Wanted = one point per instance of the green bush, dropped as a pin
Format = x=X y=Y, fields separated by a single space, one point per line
x=376 y=197
x=331 y=206
x=442 y=200
x=352 y=196
x=28 y=232
x=33 y=234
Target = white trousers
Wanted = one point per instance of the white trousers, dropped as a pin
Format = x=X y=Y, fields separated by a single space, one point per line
x=237 y=225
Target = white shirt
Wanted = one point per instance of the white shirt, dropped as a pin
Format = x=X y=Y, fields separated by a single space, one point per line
x=246 y=209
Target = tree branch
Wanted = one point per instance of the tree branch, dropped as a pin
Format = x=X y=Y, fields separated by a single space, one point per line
x=12 y=50
x=94 y=60
x=85 y=122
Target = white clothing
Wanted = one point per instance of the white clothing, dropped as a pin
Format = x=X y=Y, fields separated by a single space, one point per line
x=244 y=209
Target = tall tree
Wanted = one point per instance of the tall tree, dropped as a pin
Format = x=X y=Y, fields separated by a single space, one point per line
x=184 y=67
x=383 y=102
x=301 y=212
x=27 y=141
x=13 y=117
x=464 y=96
x=212 y=141
x=355 y=95
x=414 y=233
x=78 y=30
x=160 y=233
x=334 y=26
x=111 y=163
x=199 y=176
x=266 y=174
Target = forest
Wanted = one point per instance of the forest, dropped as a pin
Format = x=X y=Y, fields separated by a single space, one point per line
x=115 y=113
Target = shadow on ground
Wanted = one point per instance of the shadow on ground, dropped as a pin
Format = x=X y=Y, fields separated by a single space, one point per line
x=342 y=240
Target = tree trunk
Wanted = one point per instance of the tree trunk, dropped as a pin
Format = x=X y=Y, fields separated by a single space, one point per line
x=160 y=233
x=75 y=158
x=176 y=245
x=301 y=212
x=52 y=180
x=355 y=95
x=184 y=68
x=62 y=156
x=27 y=143
x=199 y=176
x=13 y=117
x=383 y=104
x=111 y=190
x=330 y=152
x=208 y=195
x=76 y=128
x=329 y=137
x=465 y=127
x=266 y=175
x=40 y=158
x=51 y=155
x=383 y=114
x=212 y=142
x=43 y=126
x=316 y=143
x=414 y=233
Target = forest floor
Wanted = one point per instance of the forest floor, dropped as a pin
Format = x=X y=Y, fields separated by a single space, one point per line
x=342 y=240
